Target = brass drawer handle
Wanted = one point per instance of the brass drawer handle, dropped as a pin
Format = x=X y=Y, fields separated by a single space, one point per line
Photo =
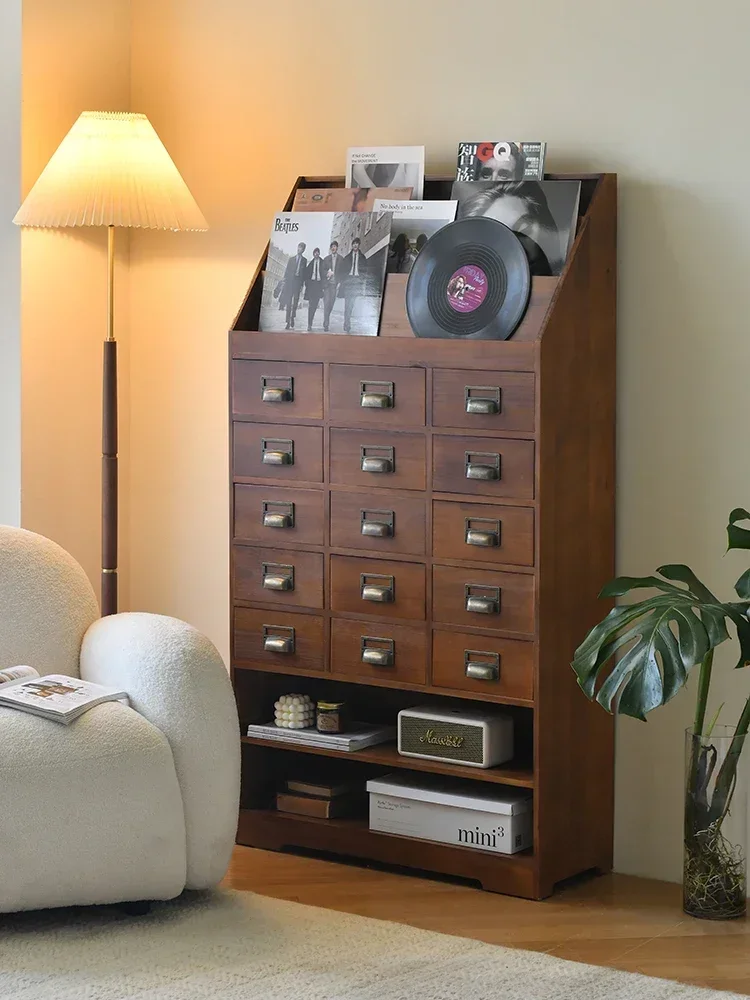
x=482 y=600
x=278 y=639
x=482 y=465
x=482 y=532
x=381 y=592
x=376 y=459
x=377 y=523
x=277 y=576
x=277 y=451
x=377 y=652
x=278 y=514
x=481 y=666
x=377 y=395
x=485 y=400
x=277 y=388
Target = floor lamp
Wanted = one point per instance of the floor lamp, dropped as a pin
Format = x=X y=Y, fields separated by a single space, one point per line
x=110 y=170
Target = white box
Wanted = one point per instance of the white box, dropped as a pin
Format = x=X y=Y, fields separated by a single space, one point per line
x=442 y=810
x=436 y=729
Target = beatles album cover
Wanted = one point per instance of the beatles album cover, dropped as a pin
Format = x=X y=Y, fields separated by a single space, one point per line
x=386 y=166
x=345 y=199
x=413 y=223
x=325 y=272
x=543 y=214
x=501 y=161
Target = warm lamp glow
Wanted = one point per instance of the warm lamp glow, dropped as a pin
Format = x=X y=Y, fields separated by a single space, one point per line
x=111 y=169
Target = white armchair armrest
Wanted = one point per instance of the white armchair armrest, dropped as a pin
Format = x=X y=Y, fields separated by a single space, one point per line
x=176 y=679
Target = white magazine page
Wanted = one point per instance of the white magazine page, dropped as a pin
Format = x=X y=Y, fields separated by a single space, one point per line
x=386 y=166
x=16 y=675
x=56 y=693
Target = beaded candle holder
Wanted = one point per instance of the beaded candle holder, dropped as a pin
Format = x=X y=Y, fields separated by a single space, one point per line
x=295 y=711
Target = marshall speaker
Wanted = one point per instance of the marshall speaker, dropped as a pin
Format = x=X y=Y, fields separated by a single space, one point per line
x=457 y=736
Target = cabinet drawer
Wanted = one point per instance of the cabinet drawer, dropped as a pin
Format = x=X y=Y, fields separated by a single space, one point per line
x=492 y=401
x=368 y=650
x=272 y=515
x=278 y=451
x=371 y=458
x=378 y=587
x=279 y=639
x=483 y=598
x=376 y=397
x=278 y=576
x=481 y=664
x=485 y=466
x=277 y=390
x=378 y=524
x=483 y=533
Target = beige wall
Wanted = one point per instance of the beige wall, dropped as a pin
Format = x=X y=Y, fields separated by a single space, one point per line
x=76 y=57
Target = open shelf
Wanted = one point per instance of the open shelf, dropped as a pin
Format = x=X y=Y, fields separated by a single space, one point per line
x=387 y=755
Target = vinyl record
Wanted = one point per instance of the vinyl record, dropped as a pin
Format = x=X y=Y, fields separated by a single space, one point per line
x=471 y=280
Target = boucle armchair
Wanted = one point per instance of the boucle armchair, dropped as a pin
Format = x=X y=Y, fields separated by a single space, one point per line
x=125 y=804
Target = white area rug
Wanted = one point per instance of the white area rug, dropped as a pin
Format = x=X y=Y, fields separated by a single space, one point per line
x=227 y=946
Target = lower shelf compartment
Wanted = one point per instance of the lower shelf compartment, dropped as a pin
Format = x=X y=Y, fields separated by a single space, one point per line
x=513 y=874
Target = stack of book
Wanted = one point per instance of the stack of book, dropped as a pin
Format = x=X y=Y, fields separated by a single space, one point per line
x=359 y=736
x=322 y=799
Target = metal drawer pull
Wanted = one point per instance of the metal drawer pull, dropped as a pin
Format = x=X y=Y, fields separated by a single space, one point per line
x=278 y=515
x=381 y=655
x=483 y=532
x=377 y=523
x=482 y=600
x=277 y=451
x=382 y=592
x=281 y=391
x=379 y=463
x=483 y=399
x=377 y=395
x=481 y=666
x=278 y=639
x=482 y=465
x=277 y=576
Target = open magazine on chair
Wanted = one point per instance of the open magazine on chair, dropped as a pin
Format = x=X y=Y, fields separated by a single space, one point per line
x=54 y=696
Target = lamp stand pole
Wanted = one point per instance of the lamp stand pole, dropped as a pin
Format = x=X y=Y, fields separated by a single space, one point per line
x=109 y=444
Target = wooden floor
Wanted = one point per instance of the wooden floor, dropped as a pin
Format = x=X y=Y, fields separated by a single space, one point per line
x=627 y=923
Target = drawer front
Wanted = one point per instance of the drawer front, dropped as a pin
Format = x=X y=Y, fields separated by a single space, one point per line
x=483 y=533
x=492 y=401
x=278 y=576
x=373 y=651
x=272 y=515
x=485 y=665
x=279 y=639
x=277 y=390
x=483 y=598
x=369 y=458
x=278 y=451
x=377 y=525
x=378 y=587
x=376 y=397
x=485 y=466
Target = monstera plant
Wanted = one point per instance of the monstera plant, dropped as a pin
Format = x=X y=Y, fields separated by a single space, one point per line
x=638 y=658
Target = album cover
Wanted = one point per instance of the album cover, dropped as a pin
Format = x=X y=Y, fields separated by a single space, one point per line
x=360 y=199
x=543 y=214
x=413 y=223
x=501 y=160
x=386 y=166
x=325 y=272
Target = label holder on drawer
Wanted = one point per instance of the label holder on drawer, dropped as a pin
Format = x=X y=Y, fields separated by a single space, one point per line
x=279 y=639
x=377 y=523
x=377 y=651
x=483 y=400
x=487 y=536
x=277 y=388
x=483 y=465
x=277 y=514
x=276 y=451
x=481 y=665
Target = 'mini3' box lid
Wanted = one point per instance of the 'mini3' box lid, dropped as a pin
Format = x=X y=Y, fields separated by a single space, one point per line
x=447 y=792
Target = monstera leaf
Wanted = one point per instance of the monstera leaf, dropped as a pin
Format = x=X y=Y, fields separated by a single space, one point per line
x=640 y=656
x=739 y=538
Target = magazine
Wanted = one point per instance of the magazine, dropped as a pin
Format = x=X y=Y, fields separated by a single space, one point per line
x=543 y=214
x=57 y=697
x=358 y=199
x=501 y=160
x=359 y=736
x=325 y=272
x=17 y=675
x=386 y=166
x=412 y=224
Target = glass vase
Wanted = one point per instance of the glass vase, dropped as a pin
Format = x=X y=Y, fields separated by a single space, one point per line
x=715 y=864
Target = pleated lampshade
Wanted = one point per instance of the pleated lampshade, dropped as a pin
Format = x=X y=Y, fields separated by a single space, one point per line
x=111 y=169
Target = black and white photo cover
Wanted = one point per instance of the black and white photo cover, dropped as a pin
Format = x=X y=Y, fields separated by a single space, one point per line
x=386 y=166
x=325 y=272
x=412 y=225
x=543 y=214
x=500 y=160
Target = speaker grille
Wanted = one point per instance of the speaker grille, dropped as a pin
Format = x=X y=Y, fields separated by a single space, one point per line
x=417 y=736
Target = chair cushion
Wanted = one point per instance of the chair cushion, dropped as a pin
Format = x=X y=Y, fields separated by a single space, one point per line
x=91 y=812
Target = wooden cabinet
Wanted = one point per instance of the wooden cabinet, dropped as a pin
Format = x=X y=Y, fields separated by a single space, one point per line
x=420 y=520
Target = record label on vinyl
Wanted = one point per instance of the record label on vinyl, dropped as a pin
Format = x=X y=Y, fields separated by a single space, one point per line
x=471 y=280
